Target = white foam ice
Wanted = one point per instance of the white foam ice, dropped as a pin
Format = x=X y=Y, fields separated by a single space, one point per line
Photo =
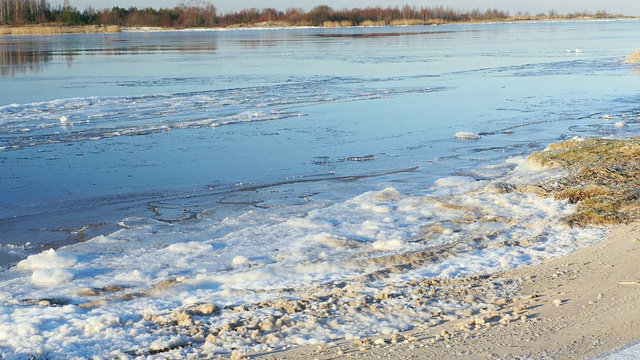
x=149 y=269
x=49 y=259
x=466 y=135
x=93 y=118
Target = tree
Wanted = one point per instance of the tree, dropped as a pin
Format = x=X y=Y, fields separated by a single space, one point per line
x=71 y=16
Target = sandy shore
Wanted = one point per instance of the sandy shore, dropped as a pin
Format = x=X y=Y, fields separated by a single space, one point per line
x=573 y=307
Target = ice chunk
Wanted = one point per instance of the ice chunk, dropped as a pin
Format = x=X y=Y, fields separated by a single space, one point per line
x=51 y=277
x=394 y=244
x=47 y=260
x=239 y=260
x=189 y=247
x=362 y=158
x=466 y=135
x=134 y=276
x=97 y=324
x=454 y=181
x=620 y=124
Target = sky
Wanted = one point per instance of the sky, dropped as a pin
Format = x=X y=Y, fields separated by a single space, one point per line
x=624 y=7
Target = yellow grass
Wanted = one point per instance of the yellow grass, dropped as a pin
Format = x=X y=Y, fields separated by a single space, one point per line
x=407 y=22
x=603 y=179
x=56 y=30
x=373 y=23
x=337 y=24
x=633 y=58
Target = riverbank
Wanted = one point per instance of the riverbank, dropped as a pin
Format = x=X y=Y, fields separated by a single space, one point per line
x=573 y=307
x=57 y=29
x=97 y=29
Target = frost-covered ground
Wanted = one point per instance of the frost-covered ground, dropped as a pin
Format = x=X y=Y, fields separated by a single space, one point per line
x=257 y=190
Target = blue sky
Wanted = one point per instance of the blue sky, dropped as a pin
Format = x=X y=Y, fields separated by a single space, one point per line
x=625 y=7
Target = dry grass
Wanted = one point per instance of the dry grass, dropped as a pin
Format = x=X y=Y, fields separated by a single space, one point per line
x=373 y=23
x=633 y=58
x=603 y=179
x=407 y=22
x=57 y=30
x=337 y=24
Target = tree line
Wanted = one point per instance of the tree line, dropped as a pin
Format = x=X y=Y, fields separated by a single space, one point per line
x=200 y=13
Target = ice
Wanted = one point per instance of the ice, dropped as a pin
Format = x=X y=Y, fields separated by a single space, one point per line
x=466 y=135
x=455 y=181
x=49 y=259
x=387 y=245
x=51 y=277
x=239 y=260
x=350 y=197
x=192 y=247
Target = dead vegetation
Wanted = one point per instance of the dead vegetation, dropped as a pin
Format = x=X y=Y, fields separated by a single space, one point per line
x=56 y=30
x=633 y=58
x=603 y=179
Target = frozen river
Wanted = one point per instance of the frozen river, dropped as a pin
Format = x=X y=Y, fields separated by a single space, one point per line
x=244 y=163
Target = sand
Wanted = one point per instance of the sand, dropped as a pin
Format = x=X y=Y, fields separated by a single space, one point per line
x=574 y=307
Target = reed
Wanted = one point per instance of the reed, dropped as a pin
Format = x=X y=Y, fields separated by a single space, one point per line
x=56 y=30
x=337 y=24
x=373 y=23
x=407 y=22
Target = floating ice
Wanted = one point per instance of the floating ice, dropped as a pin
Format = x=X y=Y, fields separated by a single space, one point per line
x=466 y=135
x=63 y=120
x=361 y=158
x=620 y=124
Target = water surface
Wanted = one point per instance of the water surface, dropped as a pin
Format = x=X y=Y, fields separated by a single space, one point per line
x=248 y=162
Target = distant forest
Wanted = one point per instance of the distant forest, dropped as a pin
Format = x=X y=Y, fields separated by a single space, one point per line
x=199 y=13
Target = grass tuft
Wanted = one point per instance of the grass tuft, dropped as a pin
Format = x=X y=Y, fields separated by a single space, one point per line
x=603 y=179
x=633 y=58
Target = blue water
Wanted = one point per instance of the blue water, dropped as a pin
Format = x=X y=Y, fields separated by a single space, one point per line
x=173 y=124
x=239 y=168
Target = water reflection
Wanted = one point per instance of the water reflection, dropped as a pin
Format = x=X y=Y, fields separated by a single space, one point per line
x=23 y=57
x=19 y=57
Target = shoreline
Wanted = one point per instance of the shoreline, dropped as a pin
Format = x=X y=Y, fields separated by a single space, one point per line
x=57 y=30
x=582 y=305
x=106 y=29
